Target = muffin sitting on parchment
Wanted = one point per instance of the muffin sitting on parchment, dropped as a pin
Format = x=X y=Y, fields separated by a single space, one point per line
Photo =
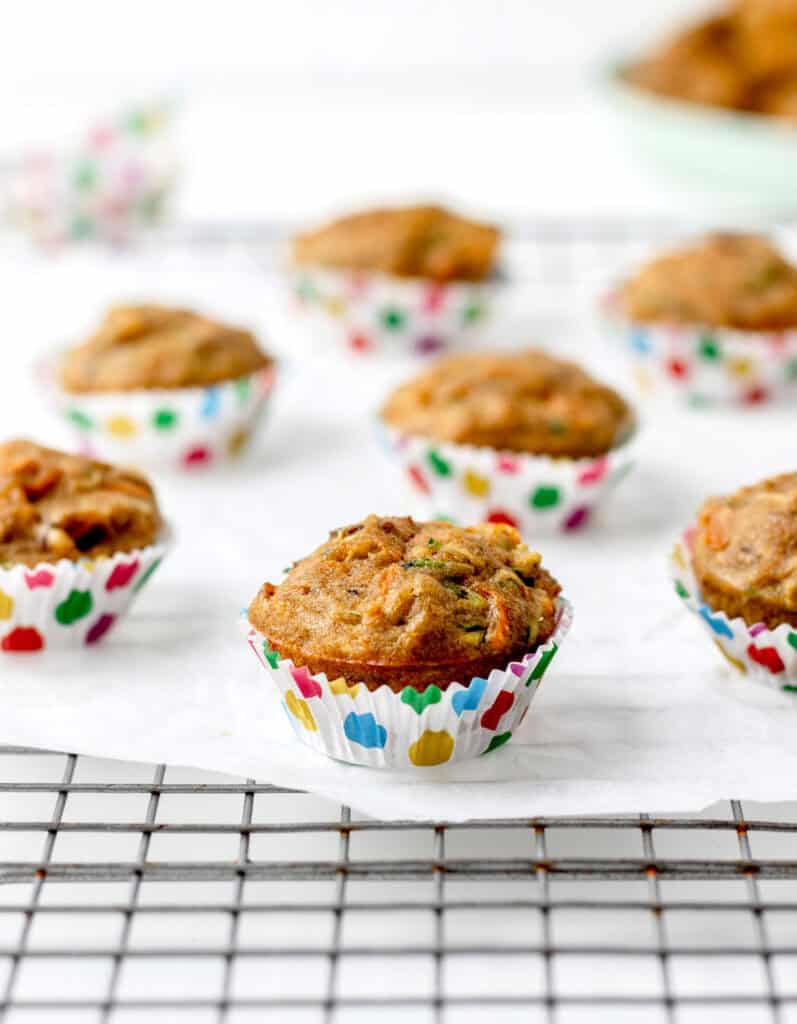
x=714 y=321
x=156 y=384
x=411 y=280
x=77 y=540
x=737 y=570
x=407 y=625
x=517 y=437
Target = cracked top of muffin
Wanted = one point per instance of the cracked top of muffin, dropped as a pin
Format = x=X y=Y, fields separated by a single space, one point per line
x=389 y=600
x=148 y=346
x=723 y=280
x=526 y=401
x=54 y=506
x=745 y=552
x=415 y=241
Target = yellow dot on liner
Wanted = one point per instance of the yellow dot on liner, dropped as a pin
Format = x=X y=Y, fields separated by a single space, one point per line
x=335 y=306
x=432 y=748
x=6 y=605
x=740 y=367
x=237 y=442
x=120 y=426
x=738 y=665
x=643 y=380
x=342 y=689
x=300 y=709
x=678 y=556
x=476 y=484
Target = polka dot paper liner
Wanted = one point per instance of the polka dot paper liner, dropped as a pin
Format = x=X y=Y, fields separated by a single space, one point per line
x=180 y=428
x=369 y=314
x=767 y=655
x=71 y=604
x=706 y=366
x=535 y=493
x=409 y=729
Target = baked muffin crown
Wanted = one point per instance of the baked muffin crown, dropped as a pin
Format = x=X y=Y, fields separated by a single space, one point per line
x=725 y=280
x=416 y=241
x=149 y=346
x=54 y=506
x=745 y=552
x=392 y=594
x=524 y=401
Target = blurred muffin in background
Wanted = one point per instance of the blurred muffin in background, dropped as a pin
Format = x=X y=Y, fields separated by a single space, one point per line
x=405 y=281
x=157 y=385
x=766 y=33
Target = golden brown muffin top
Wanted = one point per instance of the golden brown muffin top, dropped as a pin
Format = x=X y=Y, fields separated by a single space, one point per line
x=416 y=241
x=390 y=592
x=746 y=544
x=723 y=280
x=54 y=506
x=513 y=401
x=147 y=346
x=767 y=36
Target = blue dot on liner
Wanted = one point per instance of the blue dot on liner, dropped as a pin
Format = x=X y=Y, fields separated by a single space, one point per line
x=211 y=400
x=639 y=341
x=468 y=700
x=365 y=730
x=718 y=625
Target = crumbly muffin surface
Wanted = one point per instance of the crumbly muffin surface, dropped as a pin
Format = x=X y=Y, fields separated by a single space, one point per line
x=55 y=506
x=724 y=280
x=512 y=401
x=419 y=241
x=393 y=601
x=147 y=346
x=745 y=552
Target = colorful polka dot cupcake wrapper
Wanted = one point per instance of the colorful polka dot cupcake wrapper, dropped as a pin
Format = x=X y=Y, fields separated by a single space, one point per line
x=409 y=729
x=72 y=604
x=535 y=493
x=369 y=314
x=767 y=655
x=707 y=366
x=177 y=428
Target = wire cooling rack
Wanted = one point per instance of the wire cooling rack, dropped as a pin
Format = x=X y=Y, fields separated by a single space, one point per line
x=134 y=892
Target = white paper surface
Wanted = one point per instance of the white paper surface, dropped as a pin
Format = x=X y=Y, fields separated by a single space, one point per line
x=637 y=712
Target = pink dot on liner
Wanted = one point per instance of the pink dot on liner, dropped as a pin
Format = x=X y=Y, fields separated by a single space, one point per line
x=759 y=627
x=308 y=687
x=100 y=628
x=577 y=518
x=597 y=471
x=506 y=464
x=42 y=578
x=199 y=455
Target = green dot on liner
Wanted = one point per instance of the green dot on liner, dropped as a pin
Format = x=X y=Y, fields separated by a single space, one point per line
x=789 y=688
x=80 y=419
x=791 y=640
x=441 y=518
x=81 y=227
x=791 y=368
x=392 y=318
x=271 y=656
x=438 y=463
x=85 y=174
x=698 y=401
x=147 y=575
x=137 y=123
x=306 y=290
x=709 y=348
x=164 y=419
x=497 y=741
x=542 y=665
x=472 y=312
x=545 y=496
x=681 y=590
x=243 y=388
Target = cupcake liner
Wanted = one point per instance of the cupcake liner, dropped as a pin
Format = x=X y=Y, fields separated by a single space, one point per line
x=71 y=604
x=384 y=729
x=767 y=655
x=534 y=493
x=371 y=314
x=181 y=428
x=708 y=365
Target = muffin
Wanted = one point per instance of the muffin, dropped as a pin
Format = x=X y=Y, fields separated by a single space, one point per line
x=520 y=437
x=154 y=384
x=715 y=320
x=412 y=280
x=737 y=571
x=78 y=539
x=398 y=643
x=767 y=36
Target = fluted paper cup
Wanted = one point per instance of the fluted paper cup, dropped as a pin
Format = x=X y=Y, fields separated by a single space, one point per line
x=410 y=728
x=176 y=428
x=534 y=493
x=704 y=365
x=69 y=604
x=766 y=655
x=370 y=314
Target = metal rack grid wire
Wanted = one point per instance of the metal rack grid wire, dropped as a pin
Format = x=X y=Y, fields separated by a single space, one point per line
x=450 y=895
